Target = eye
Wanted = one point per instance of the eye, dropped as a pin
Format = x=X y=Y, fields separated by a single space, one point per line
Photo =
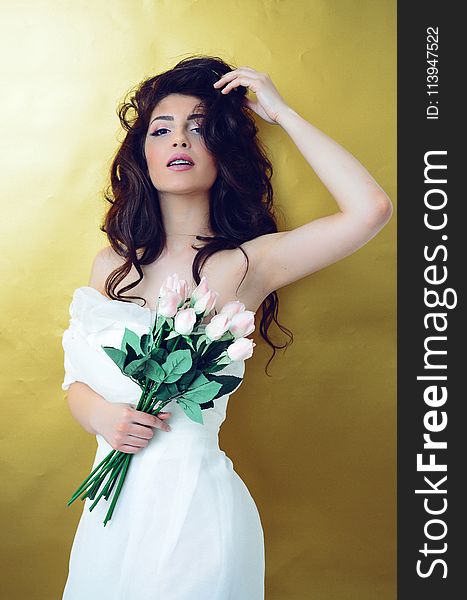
x=156 y=133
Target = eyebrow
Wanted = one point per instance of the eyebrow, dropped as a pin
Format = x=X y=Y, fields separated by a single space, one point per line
x=170 y=117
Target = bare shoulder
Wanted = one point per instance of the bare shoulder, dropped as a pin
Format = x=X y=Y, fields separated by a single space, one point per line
x=281 y=258
x=105 y=261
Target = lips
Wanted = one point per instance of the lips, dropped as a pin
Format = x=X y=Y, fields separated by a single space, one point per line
x=181 y=157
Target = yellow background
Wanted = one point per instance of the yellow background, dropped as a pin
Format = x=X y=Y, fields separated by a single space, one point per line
x=315 y=443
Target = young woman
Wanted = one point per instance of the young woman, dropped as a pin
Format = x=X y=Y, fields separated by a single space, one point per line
x=186 y=526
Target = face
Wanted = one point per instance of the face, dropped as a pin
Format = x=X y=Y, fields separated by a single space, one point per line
x=174 y=129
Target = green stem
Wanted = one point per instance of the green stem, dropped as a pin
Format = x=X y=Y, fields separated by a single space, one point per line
x=148 y=400
x=104 y=463
x=159 y=333
x=97 y=484
x=117 y=493
x=110 y=482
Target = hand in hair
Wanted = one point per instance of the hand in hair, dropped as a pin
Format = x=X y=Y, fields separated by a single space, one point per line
x=269 y=102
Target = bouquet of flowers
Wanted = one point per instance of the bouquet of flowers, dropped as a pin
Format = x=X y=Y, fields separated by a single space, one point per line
x=177 y=359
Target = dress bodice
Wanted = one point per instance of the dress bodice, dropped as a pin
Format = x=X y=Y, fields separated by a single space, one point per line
x=97 y=321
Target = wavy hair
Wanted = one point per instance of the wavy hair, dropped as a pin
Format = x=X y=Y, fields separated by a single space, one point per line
x=241 y=198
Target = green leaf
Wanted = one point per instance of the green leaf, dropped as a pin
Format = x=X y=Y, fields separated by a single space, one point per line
x=163 y=393
x=214 y=366
x=159 y=355
x=191 y=409
x=136 y=366
x=177 y=363
x=213 y=353
x=154 y=371
x=147 y=341
x=132 y=339
x=131 y=355
x=118 y=356
x=172 y=334
x=189 y=342
x=228 y=383
x=200 y=380
x=203 y=393
x=172 y=388
x=199 y=342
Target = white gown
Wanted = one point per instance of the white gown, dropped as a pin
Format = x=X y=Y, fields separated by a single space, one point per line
x=185 y=526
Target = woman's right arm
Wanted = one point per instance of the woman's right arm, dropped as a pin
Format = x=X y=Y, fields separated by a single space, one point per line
x=119 y=423
x=84 y=402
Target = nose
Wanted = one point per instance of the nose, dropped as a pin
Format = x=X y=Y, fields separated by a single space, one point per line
x=181 y=139
x=184 y=144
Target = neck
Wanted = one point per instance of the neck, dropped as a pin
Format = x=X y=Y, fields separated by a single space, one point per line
x=184 y=217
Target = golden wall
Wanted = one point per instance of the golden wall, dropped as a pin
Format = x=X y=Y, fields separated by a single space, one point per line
x=315 y=443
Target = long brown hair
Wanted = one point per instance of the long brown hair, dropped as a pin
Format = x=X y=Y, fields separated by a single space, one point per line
x=241 y=198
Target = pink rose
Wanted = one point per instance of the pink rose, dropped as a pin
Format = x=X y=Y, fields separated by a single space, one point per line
x=182 y=289
x=168 y=303
x=216 y=328
x=184 y=321
x=231 y=308
x=200 y=289
x=174 y=284
x=170 y=283
x=241 y=349
x=206 y=303
x=242 y=323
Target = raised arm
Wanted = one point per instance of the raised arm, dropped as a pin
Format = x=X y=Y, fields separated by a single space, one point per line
x=283 y=257
x=278 y=259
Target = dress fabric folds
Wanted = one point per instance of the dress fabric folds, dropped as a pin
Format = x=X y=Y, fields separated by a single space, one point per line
x=185 y=526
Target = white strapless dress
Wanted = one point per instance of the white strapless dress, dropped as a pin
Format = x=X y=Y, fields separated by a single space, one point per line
x=185 y=526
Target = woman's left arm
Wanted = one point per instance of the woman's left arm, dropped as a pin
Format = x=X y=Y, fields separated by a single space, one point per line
x=364 y=208
x=353 y=188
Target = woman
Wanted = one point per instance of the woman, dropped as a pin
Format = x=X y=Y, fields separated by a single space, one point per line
x=186 y=526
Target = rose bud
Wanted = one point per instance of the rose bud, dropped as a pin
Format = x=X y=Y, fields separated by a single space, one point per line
x=206 y=303
x=171 y=283
x=184 y=321
x=231 y=308
x=200 y=289
x=182 y=289
x=216 y=328
x=241 y=349
x=242 y=323
x=168 y=303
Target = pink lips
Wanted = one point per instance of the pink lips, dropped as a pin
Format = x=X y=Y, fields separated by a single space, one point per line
x=180 y=167
x=180 y=156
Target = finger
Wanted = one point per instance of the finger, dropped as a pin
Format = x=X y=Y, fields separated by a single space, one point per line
x=236 y=72
x=129 y=449
x=234 y=83
x=141 y=431
x=137 y=442
x=160 y=424
x=226 y=77
x=230 y=76
x=164 y=415
x=133 y=444
x=144 y=418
